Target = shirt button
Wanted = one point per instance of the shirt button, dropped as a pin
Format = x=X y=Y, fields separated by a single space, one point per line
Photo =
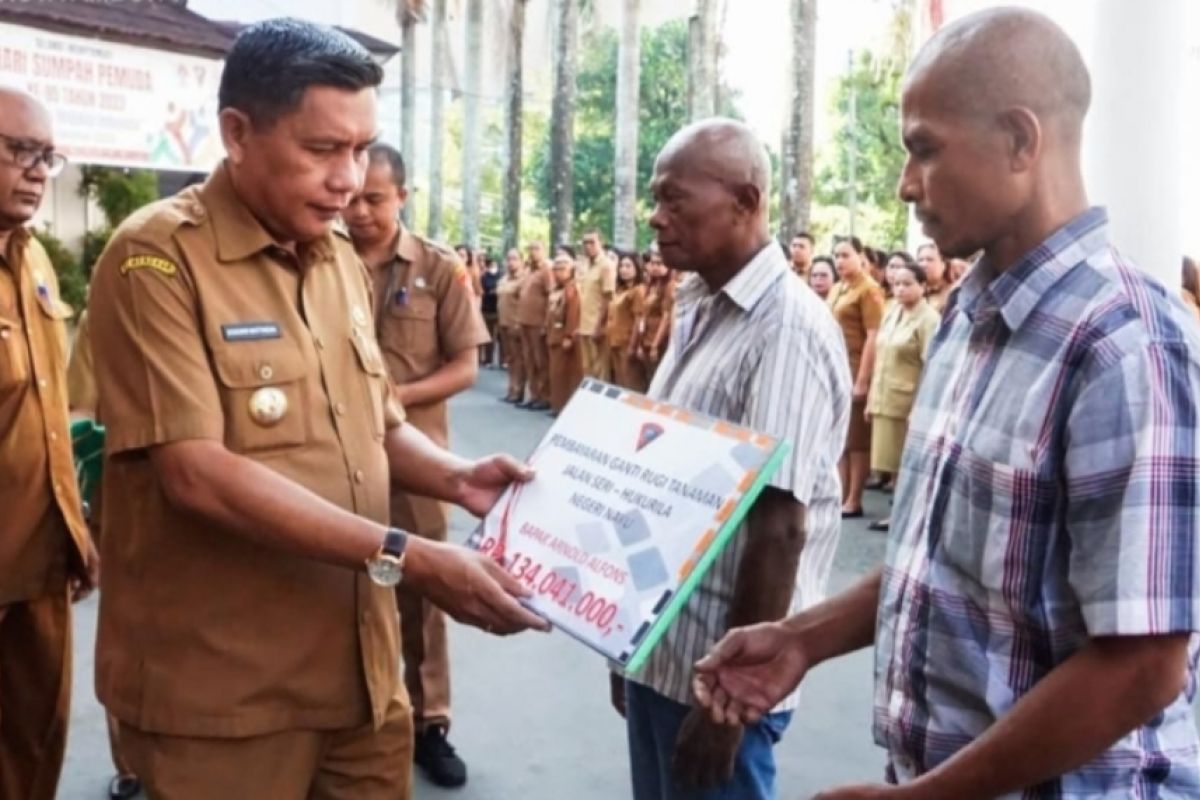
x=319 y=342
x=265 y=372
x=42 y=382
x=340 y=408
x=359 y=476
x=4 y=333
x=53 y=436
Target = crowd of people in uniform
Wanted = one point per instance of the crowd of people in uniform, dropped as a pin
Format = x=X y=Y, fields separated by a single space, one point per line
x=273 y=389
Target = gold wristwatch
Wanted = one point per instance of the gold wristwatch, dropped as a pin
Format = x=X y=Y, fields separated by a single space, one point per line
x=386 y=567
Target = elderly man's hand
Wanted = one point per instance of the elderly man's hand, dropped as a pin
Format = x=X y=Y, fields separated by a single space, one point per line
x=748 y=673
x=705 y=752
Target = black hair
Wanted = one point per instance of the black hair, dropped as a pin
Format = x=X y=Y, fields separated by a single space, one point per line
x=380 y=153
x=566 y=248
x=273 y=62
x=916 y=271
x=827 y=261
x=903 y=255
x=853 y=241
x=470 y=262
x=930 y=246
x=803 y=235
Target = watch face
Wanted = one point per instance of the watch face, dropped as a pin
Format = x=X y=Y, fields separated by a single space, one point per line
x=385 y=570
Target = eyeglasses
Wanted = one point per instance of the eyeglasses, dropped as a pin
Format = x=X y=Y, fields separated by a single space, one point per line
x=27 y=155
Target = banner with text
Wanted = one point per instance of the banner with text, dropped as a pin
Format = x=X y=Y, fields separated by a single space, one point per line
x=632 y=502
x=116 y=104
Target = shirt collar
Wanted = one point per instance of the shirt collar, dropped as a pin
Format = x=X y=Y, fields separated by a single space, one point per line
x=239 y=233
x=1017 y=291
x=407 y=246
x=750 y=283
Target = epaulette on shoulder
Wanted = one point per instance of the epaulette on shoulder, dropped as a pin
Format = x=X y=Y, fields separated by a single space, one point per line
x=158 y=221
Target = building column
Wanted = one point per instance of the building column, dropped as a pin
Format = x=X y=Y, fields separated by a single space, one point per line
x=1133 y=142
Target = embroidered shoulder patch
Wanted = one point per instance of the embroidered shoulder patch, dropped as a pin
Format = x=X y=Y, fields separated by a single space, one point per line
x=156 y=263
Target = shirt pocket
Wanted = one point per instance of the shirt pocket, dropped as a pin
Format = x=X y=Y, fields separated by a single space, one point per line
x=264 y=395
x=14 y=355
x=374 y=379
x=410 y=328
x=994 y=529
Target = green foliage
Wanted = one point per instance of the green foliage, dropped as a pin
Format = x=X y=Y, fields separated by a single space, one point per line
x=880 y=218
x=72 y=282
x=119 y=192
x=662 y=111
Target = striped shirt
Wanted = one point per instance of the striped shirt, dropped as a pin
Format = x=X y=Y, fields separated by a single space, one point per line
x=765 y=352
x=1048 y=494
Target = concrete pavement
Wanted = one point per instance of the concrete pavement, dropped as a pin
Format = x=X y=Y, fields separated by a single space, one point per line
x=532 y=717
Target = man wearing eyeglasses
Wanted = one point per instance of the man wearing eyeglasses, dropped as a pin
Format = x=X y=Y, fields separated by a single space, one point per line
x=47 y=559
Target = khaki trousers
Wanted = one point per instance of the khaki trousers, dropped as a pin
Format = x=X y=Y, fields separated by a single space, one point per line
x=289 y=765
x=626 y=370
x=514 y=354
x=537 y=362
x=426 y=652
x=595 y=358
x=35 y=695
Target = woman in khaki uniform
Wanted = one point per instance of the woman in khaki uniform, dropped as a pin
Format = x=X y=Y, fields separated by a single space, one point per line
x=562 y=334
x=508 y=297
x=655 y=325
x=857 y=303
x=903 y=341
x=621 y=329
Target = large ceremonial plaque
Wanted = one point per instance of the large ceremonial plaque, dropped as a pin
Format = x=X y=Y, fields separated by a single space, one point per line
x=632 y=503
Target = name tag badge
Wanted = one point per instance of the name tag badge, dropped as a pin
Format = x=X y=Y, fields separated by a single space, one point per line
x=250 y=331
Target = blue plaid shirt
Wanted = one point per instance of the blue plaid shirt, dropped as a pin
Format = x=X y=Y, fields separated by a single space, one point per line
x=1049 y=493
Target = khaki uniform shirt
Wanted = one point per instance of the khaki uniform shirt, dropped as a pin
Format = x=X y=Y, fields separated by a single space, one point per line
x=426 y=314
x=535 y=297
x=859 y=310
x=626 y=309
x=595 y=279
x=562 y=318
x=37 y=473
x=508 y=297
x=660 y=303
x=900 y=349
x=81 y=375
x=195 y=312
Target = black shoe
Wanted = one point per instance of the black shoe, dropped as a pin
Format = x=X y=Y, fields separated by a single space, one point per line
x=507 y=399
x=434 y=754
x=123 y=787
x=538 y=406
x=852 y=514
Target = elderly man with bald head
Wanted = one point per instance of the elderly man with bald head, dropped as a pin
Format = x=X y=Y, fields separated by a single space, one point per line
x=46 y=553
x=1032 y=621
x=752 y=344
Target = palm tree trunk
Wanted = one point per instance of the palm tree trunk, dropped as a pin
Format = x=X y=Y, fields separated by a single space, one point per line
x=628 y=76
x=702 y=59
x=797 y=175
x=472 y=127
x=513 y=116
x=437 y=117
x=562 y=121
x=408 y=95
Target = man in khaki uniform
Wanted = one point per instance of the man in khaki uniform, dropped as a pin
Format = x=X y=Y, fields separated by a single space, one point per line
x=801 y=252
x=508 y=297
x=46 y=554
x=531 y=313
x=429 y=329
x=597 y=279
x=248 y=639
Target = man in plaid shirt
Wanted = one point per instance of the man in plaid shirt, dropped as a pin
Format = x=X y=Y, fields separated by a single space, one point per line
x=1032 y=621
